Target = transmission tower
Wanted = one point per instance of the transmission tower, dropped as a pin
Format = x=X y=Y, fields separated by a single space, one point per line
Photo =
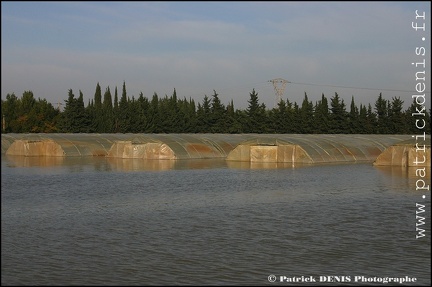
x=279 y=85
x=58 y=105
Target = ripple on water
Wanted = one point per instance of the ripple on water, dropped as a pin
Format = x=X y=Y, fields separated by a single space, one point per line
x=206 y=226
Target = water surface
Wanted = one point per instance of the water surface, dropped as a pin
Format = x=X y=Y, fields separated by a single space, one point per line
x=208 y=222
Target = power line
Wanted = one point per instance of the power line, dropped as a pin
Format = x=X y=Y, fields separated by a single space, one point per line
x=356 y=88
x=281 y=89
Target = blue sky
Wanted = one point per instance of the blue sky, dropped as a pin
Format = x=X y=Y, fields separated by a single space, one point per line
x=198 y=47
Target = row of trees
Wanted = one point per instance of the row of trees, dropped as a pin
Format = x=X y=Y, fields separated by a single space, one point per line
x=103 y=114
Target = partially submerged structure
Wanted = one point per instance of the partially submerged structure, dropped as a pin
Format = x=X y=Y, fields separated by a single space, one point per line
x=408 y=153
x=254 y=148
x=312 y=148
x=60 y=144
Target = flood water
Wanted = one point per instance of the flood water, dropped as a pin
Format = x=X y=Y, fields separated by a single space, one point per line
x=95 y=221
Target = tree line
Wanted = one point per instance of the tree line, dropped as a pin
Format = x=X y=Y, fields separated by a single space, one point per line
x=170 y=114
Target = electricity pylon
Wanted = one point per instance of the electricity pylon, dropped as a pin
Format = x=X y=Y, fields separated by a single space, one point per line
x=58 y=105
x=279 y=85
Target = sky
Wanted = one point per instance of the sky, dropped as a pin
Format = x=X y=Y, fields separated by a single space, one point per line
x=355 y=49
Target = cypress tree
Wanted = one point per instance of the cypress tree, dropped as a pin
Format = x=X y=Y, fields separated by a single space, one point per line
x=414 y=118
x=175 y=121
x=256 y=116
x=107 y=113
x=133 y=111
x=203 y=116
x=397 y=117
x=353 y=124
x=338 y=116
x=191 y=123
x=74 y=116
x=143 y=110
x=278 y=118
x=153 y=116
x=97 y=117
x=90 y=110
x=166 y=115
x=306 y=117
x=296 y=119
x=290 y=118
x=174 y=115
x=372 y=120
x=321 y=116
x=362 y=120
x=116 y=112
x=381 y=107
x=124 y=112
x=232 y=124
x=67 y=120
x=217 y=116
x=82 y=115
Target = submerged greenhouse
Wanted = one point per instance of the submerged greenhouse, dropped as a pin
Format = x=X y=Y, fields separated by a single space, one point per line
x=267 y=148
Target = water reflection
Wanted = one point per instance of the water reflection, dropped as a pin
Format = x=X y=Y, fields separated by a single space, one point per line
x=114 y=164
x=156 y=228
x=127 y=165
x=410 y=172
x=259 y=165
x=406 y=179
x=120 y=164
x=33 y=161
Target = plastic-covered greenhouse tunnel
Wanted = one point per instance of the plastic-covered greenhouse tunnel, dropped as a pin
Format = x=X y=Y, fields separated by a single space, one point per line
x=277 y=148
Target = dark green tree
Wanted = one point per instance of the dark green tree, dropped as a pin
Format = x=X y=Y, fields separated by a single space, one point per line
x=174 y=120
x=74 y=117
x=278 y=118
x=9 y=110
x=116 y=112
x=154 y=115
x=134 y=116
x=353 y=118
x=124 y=112
x=143 y=113
x=107 y=123
x=233 y=125
x=338 y=116
x=397 y=117
x=363 y=121
x=27 y=117
x=45 y=117
x=256 y=115
x=203 y=116
x=322 y=116
x=290 y=117
x=166 y=121
x=295 y=112
x=381 y=108
x=372 y=120
x=97 y=112
x=418 y=118
x=307 y=117
x=217 y=116
x=188 y=115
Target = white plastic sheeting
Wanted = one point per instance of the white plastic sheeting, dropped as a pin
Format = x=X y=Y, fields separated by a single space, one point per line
x=285 y=148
